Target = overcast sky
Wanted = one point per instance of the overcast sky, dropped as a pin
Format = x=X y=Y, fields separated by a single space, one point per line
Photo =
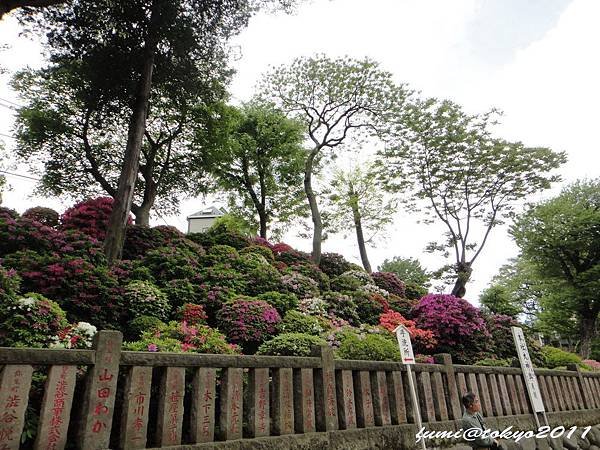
x=537 y=60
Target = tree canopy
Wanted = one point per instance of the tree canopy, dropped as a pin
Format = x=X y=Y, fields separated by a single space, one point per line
x=561 y=239
x=462 y=176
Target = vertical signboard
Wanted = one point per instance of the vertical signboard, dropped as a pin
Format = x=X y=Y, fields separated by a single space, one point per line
x=533 y=389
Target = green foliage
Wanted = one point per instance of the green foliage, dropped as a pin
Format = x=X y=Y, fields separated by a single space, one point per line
x=342 y=306
x=30 y=321
x=297 y=322
x=46 y=216
x=220 y=233
x=143 y=298
x=497 y=300
x=300 y=285
x=368 y=306
x=372 y=347
x=408 y=270
x=334 y=264
x=462 y=175
x=142 y=324
x=281 y=301
x=181 y=291
x=290 y=344
x=555 y=357
x=266 y=252
x=559 y=239
x=220 y=254
x=234 y=223
x=494 y=362
x=171 y=263
x=261 y=167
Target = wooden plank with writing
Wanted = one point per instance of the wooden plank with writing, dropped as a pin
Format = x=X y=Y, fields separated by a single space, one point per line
x=170 y=407
x=381 y=403
x=427 y=408
x=325 y=391
x=134 y=417
x=365 y=416
x=101 y=387
x=282 y=402
x=345 y=398
x=231 y=404
x=202 y=416
x=396 y=395
x=15 y=383
x=304 y=400
x=439 y=398
x=257 y=405
x=56 y=408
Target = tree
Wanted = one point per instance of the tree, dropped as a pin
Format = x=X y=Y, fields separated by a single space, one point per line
x=336 y=100
x=129 y=51
x=464 y=177
x=496 y=299
x=77 y=141
x=355 y=202
x=8 y=5
x=561 y=239
x=261 y=166
x=408 y=269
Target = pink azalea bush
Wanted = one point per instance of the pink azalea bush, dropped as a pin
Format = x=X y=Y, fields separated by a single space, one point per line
x=458 y=326
x=90 y=216
x=247 y=321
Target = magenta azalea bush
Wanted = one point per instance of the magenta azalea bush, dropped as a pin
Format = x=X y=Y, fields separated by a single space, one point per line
x=43 y=215
x=247 y=321
x=458 y=326
x=90 y=216
x=390 y=282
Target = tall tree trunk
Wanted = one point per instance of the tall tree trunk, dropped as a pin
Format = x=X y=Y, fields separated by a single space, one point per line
x=588 y=333
x=262 y=218
x=314 y=208
x=463 y=274
x=142 y=214
x=113 y=244
x=360 y=238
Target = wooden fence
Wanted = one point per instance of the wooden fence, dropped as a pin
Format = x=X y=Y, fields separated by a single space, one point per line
x=108 y=398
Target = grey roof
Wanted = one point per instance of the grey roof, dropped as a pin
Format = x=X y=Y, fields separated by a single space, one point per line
x=211 y=211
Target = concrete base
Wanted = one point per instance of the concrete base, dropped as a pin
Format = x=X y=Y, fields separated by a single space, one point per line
x=403 y=436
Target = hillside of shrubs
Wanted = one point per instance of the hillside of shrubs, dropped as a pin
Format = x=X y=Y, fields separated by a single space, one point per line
x=220 y=292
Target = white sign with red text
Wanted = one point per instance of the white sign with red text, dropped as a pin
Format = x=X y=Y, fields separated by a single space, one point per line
x=406 y=350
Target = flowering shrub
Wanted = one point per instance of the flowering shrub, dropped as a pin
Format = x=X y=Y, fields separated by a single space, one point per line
x=220 y=254
x=223 y=276
x=313 y=306
x=257 y=240
x=456 y=324
x=389 y=282
x=8 y=213
x=212 y=299
x=369 y=306
x=414 y=291
x=247 y=321
x=424 y=359
x=501 y=344
x=262 y=250
x=312 y=271
x=373 y=347
x=402 y=305
x=181 y=291
x=371 y=288
x=181 y=337
x=170 y=263
x=591 y=364
x=288 y=255
x=334 y=264
x=300 y=285
x=79 y=335
x=85 y=292
x=143 y=298
x=342 y=306
x=90 y=216
x=555 y=357
x=422 y=339
x=291 y=344
x=282 y=302
x=263 y=278
x=10 y=283
x=24 y=234
x=345 y=283
x=297 y=322
x=219 y=234
x=30 y=321
x=141 y=324
x=43 y=215
x=249 y=261
x=192 y=314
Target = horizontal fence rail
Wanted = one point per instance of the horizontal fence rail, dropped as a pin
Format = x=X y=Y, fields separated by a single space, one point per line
x=108 y=398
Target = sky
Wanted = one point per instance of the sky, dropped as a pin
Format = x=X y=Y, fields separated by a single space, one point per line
x=536 y=60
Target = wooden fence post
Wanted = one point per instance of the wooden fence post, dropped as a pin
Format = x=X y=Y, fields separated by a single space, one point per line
x=453 y=395
x=326 y=411
x=101 y=387
x=581 y=385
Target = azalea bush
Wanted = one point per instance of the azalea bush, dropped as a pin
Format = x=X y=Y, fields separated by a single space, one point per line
x=143 y=298
x=171 y=263
x=297 y=322
x=30 y=321
x=342 y=306
x=458 y=326
x=192 y=314
x=423 y=340
x=247 y=321
x=369 y=307
x=291 y=344
x=262 y=250
x=141 y=324
x=334 y=264
x=300 y=285
x=43 y=215
x=390 y=282
x=556 y=357
x=79 y=335
x=373 y=347
x=261 y=279
x=281 y=301
x=220 y=254
x=90 y=217
x=312 y=271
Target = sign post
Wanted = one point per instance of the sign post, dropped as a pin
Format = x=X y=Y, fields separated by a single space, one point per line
x=533 y=388
x=408 y=358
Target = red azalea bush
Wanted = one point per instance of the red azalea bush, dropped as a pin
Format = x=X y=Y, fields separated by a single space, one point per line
x=90 y=216
x=248 y=322
x=457 y=325
x=43 y=215
x=192 y=314
x=389 y=281
x=369 y=306
x=422 y=339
